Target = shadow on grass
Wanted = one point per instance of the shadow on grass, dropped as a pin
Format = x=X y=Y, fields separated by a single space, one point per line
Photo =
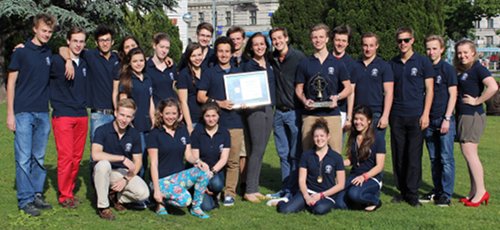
x=389 y=185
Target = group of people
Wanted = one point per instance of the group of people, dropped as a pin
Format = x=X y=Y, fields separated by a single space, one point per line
x=173 y=126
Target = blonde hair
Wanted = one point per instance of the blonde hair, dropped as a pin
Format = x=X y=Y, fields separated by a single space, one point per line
x=456 y=62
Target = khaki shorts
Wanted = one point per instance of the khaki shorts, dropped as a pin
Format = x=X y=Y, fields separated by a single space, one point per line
x=470 y=128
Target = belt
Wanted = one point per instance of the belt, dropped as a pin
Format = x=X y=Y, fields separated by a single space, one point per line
x=103 y=111
x=284 y=108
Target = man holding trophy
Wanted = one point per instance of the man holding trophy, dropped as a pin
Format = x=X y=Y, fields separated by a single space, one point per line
x=318 y=82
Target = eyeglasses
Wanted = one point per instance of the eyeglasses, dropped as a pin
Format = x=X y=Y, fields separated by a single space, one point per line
x=104 y=40
x=406 y=40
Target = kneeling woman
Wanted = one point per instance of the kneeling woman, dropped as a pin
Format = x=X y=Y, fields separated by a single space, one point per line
x=168 y=146
x=366 y=154
x=211 y=143
x=321 y=176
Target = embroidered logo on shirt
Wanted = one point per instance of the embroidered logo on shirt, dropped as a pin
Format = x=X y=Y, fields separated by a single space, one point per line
x=150 y=91
x=84 y=72
x=171 y=76
x=374 y=72
x=183 y=140
x=331 y=70
x=464 y=76
x=221 y=146
x=439 y=79
x=128 y=147
x=328 y=169
x=117 y=62
x=47 y=60
x=414 y=71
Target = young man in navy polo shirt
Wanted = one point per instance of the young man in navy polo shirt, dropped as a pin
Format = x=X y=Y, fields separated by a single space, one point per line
x=373 y=84
x=211 y=89
x=69 y=115
x=413 y=92
x=28 y=113
x=340 y=38
x=440 y=134
x=204 y=33
x=286 y=116
x=117 y=152
x=335 y=73
x=237 y=35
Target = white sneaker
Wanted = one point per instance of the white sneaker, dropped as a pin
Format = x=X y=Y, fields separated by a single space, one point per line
x=274 y=202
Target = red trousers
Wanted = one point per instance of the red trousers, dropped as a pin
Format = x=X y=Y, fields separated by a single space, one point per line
x=70 y=134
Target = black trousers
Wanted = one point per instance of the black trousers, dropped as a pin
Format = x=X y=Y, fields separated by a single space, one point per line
x=406 y=146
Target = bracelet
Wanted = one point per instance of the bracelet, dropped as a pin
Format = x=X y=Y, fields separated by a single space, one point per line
x=321 y=195
x=366 y=177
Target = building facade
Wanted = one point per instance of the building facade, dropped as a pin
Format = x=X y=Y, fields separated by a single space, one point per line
x=486 y=31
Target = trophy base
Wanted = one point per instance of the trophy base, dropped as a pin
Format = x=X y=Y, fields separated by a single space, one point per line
x=322 y=104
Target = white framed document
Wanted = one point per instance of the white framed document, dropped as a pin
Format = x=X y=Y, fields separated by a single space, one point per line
x=249 y=89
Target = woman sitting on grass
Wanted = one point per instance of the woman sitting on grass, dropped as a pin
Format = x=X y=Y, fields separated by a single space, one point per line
x=366 y=155
x=168 y=145
x=321 y=176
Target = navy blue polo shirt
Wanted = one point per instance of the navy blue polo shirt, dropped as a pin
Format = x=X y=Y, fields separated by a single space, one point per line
x=212 y=81
x=68 y=97
x=32 y=86
x=142 y=91
x=170 y=149
x=210 y=147
x=332 y=70
x=409 y=84
x=252 y=65
x=445 y=78
x=363 y=166
x=471 y=82
x=128 y=145
x=163 y=81
x=101 y=74
x=285 y=72
x=331 y=163
x=188 y=81
x=369 y=82
x=209 y=61
x=349 y=64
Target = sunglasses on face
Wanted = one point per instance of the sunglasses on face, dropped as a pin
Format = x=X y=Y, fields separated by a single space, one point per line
x=406 y=40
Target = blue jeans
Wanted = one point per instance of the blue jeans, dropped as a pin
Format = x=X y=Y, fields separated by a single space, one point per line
x=440 y=147
x=215 y=185
x=297 y=204
x=286 y=140
x=379 y=133
x=144 y=168
x=96 y=121
x=364 y=195
x=30 y=143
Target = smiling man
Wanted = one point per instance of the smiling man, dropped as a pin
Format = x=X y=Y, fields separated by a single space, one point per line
x=28 y=113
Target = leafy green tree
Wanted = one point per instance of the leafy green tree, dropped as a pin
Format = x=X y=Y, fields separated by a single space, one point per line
x=16 y=25
x=143 y=28
x=461 y=14
x=384 y=17
x=298 y=17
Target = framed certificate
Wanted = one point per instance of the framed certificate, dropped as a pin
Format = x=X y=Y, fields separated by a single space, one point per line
x=249 y=89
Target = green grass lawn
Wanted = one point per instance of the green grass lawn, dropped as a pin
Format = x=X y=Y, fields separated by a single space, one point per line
x=259 y=216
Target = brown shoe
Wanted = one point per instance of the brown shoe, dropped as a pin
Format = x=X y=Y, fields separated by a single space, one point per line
x=113 y=199
x=69 y=203
x=119 y=207
x=106 y=213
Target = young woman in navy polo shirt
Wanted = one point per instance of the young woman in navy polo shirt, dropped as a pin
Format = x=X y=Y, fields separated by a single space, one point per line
x=188 y=78
x=135 y=84
x=259 y=119
x=472 y=78
x=127 y=44
x=168 y=146
x=161 y=69
x=321 y=176
x=366 y=154
x=211 y=143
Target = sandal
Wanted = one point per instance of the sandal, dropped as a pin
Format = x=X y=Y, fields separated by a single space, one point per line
x=161 y=211
x=199 y=213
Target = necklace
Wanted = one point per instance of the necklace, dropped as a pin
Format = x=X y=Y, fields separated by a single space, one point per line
x=320 y=177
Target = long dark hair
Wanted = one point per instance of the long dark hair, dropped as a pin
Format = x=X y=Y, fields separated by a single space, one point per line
x=249 y=53
x=169 y=102
x=364 y=148
x=187 y=57
x=121 y=51
x=126 y=71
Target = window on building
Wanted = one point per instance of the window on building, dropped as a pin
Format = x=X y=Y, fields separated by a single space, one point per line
x=477 y=24
x=253 y=17
x=228 y=18
x=489 y=40
x=201 y=17
x=490 y=23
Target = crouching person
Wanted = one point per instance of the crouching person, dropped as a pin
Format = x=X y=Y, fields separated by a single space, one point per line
x=116 y=150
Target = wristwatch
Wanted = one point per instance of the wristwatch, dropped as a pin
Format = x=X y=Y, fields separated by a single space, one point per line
x=447 y=118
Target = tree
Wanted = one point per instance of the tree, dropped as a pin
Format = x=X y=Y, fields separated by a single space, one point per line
x=384 y=17
x=144 y=27
x=298 y=17
x=461 y=14
x=87 y=14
